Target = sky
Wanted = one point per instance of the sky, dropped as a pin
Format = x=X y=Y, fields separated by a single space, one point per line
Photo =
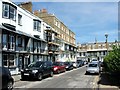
x=88 y=20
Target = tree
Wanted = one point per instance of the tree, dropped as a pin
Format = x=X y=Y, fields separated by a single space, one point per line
x=112 y=60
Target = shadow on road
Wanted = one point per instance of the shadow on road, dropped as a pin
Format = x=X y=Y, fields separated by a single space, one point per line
x=33 y=79
x=107 y=79
x=91 y=74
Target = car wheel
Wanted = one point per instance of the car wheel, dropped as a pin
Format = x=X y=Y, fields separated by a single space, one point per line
x=58 y=71
x=64 y=70
x=10 y=85
x=86 y=73
x=22 y=77
x=51 y=74
x=40 y=76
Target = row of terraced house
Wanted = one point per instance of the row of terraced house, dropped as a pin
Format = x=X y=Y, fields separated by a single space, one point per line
x=96 y=50
x=27 y=36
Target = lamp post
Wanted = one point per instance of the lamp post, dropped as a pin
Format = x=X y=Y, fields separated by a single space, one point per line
x=106 y=36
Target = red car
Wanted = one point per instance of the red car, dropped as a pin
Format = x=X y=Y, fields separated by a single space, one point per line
x=58 y=67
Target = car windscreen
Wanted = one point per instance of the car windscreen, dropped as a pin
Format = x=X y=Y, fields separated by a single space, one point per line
x=92 y=65
x=67 y=63
x=35 y=64
x=56 y=64
x=94 y=60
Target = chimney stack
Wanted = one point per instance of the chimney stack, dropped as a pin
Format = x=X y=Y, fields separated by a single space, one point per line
x=43 y=11
x=36 y=12
x=27 y=6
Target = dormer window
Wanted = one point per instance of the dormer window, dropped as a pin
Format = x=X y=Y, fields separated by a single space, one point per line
x=9 y=11
x=37 y=25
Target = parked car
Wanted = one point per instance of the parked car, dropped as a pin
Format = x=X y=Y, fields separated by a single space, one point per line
x=93 y=68
x=80 y=63
x=6 y=80
x=94 y=60
x=75 y=64
x=85 y=62
x=58 y=67
x=69 y=65
x=37 y=70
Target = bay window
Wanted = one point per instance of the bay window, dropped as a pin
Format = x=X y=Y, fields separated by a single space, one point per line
x=9 y=11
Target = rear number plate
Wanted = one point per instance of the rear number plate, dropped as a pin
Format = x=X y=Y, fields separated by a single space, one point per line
x=26 y=74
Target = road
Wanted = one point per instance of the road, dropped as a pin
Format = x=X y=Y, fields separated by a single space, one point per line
x=70 y=79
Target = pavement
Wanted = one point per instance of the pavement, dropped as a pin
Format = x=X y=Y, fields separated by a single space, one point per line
x=16 y=77
x=102 y=82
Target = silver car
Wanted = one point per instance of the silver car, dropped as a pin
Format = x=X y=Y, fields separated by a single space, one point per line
x=93 y=68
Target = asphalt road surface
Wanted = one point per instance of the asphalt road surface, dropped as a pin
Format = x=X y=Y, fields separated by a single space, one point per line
x=75 y=78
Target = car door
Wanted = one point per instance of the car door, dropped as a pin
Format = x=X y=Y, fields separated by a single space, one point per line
x=45 y=69
x=62 y=66
x=49 y=67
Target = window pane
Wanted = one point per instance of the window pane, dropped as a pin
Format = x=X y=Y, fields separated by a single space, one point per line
x=11 y=9
x=11 y=16
x=19 y=41
x=4 y=38
x=6 y=7
x=6 y=13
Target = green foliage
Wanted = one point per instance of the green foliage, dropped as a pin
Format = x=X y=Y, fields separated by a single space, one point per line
x=112 y=60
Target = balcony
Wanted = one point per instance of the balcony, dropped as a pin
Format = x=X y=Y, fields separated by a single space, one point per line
x=43 y=51
x=55 y=42
x=23 y=49
x=54 y=50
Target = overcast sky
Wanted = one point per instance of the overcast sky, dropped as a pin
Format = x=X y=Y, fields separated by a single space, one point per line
x=88 y=20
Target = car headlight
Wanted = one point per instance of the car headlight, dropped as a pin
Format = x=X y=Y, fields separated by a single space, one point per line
x=34 y=71
x=66 y=66
x=55 y=68
x=22 y=70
